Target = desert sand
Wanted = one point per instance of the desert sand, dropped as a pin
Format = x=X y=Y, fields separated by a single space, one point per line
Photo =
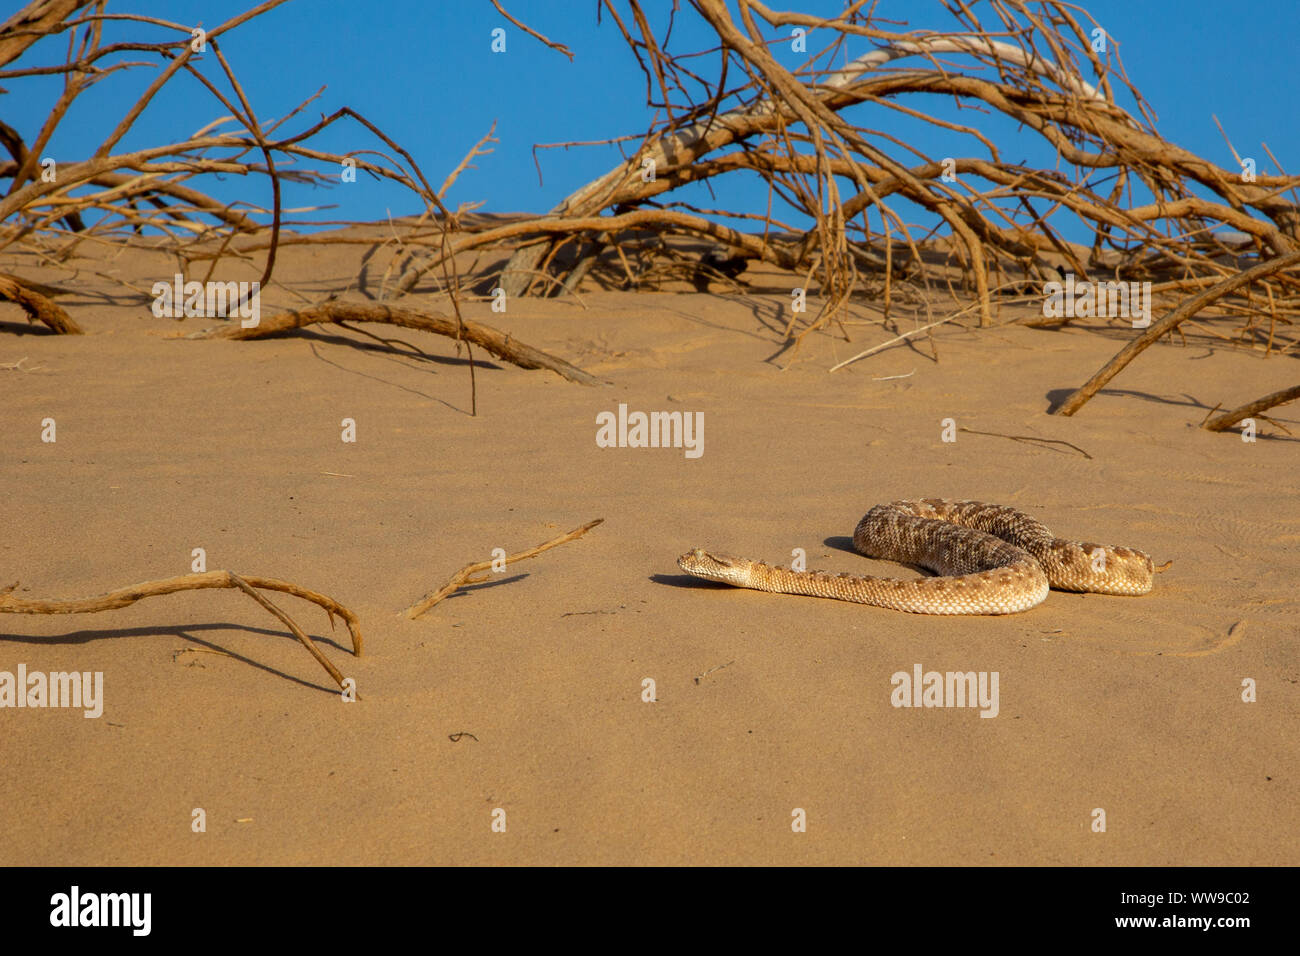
x=525 y=694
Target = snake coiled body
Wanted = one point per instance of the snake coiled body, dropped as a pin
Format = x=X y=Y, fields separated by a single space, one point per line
x=990 y=559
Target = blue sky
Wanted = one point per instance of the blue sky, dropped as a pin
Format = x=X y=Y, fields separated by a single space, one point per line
x=424 y=72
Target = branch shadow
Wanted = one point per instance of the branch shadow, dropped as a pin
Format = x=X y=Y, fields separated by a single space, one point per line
x=382 y=381
x=1057 y=396
x=387 y=349
x=186 y=632
x=466 y=589
x=25 y=328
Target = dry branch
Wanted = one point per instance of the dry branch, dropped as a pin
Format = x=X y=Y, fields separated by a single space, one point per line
x=465 y=575
x=492 y=340
x=156 y=176
x=1030 y=440
x=558 y=47
x=37 y=306
x=33 y=22
x=189 y=582
x=289 y=623
x=475 y=150
x=1228 y=419
x=1189 y=308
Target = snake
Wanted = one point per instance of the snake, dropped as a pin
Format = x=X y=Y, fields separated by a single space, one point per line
x=987 y=558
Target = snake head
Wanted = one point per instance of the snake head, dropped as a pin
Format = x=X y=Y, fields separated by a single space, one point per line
x=1134 y=572
x=722 y=568
x=1113 y=570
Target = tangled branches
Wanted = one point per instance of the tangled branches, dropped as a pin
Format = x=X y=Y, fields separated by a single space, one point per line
x=113 y=194
x=150 y=188
x=792 y=128
x=814 y=133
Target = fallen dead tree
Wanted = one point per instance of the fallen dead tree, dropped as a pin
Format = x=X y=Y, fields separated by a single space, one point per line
x=807 y=131
x=791 y=127
x=813 y=130
x=112 y=193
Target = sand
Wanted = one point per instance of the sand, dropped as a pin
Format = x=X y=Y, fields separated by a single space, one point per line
x=525 y=695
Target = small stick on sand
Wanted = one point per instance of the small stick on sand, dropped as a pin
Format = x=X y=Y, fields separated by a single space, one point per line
x=1228 y=419
x=898 y=338
x=716 y=667
x=288 y=622
x=190 y=582
x=463 y=576
x=1029 y=439
x=18 y=366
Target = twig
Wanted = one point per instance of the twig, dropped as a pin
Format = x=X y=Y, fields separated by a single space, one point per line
x=1228 y=419
x=288 y=622
x=475 y=150
x=716 y=667
x=898 y=338
x=1028 y=438
x=464 y=575
x=200 y=650
x=558 y=47
x=190 y=582
x=18 y=366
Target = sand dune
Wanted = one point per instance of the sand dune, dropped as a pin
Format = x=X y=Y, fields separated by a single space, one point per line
x=525 y=694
